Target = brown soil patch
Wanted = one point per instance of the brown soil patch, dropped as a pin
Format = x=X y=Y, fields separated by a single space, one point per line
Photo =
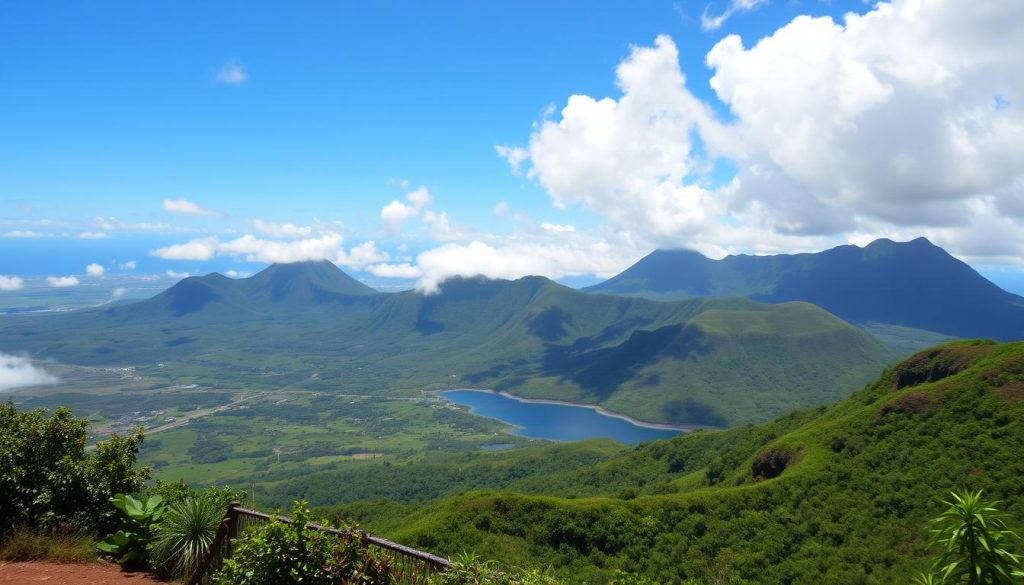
x=1008 y=368
x=1012 y=392
x=70 y=574
x=935 y=364
x=910 y=403
x=771 y=463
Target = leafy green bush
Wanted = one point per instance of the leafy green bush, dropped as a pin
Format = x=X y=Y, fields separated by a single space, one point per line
x=184 y=534
x=130 y=545
x=275 y=552
x=468 y=570
x=48 y=480
x=974 y=544
x=354 y=561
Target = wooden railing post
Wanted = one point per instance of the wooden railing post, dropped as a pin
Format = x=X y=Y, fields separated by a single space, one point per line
x=231 y=526
x=232 y=522
x=226 y=531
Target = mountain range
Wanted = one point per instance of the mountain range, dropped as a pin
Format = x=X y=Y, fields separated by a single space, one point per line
x=710 y=362
x=910 y=284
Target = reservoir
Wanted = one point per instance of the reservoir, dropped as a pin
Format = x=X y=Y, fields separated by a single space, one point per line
x=556 y=422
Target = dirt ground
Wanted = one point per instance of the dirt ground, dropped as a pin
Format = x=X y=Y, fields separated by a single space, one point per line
x=70 y=574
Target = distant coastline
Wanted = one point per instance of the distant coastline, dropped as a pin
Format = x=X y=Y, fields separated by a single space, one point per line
x=600 y=410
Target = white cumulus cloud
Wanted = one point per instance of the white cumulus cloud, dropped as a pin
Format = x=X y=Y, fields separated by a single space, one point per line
x=890 y=117
x=94 y=269
x=232 y=73
x=62 y=281
x=256 y=249
x=514 y=155
x=557 y=228
x=186 y=207
x=394 y=214
x=361 y=256
x=419 y=198
x=517 y=257
x=905 y=119
x=129 y=265
x=326 y=246
x=282 y=230
x=630 y=159
x=402 y=270
x=18 y=372
x=197 y=249
x=10 y=283
x=92 y=235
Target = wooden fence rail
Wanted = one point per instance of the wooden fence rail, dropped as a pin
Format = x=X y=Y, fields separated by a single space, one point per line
x=411 y=566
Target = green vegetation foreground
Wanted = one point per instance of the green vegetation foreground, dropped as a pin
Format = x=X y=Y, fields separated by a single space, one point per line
x=840 y=494
x=832 y=495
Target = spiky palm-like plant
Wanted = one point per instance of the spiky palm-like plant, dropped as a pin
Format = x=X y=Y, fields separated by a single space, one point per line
x=184 y=534
x=974 y=544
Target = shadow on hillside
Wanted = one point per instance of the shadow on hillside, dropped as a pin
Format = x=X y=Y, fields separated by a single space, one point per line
x=601 y=371
x=549 y=324
x=190 y=296
x=691 y=412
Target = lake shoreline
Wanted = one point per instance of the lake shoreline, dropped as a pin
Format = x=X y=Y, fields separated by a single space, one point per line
x=598 y=409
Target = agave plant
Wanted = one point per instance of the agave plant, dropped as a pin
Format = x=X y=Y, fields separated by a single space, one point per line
x=184 y=535
x=974 y=544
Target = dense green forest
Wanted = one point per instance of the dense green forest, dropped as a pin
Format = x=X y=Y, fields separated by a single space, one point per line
x=837 y=494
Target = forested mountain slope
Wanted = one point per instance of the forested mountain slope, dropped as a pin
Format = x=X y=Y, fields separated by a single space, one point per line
x=836 y=494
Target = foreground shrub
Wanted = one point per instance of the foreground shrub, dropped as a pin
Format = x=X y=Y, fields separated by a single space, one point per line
x=130 y=544
x=974 y=544
x=276 y=552
x=47 y=480
x=467 y=570
x=184 y=534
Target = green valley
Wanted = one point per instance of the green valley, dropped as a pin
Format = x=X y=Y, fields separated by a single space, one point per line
x=835 y=494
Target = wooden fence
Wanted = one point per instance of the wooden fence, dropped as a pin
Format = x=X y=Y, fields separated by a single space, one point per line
x=411 y=566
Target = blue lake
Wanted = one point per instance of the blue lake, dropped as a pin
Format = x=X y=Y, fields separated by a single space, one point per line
x=557 y=422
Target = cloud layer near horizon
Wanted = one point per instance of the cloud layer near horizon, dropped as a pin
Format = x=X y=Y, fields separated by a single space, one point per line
x=18 y=371
x=325 y=246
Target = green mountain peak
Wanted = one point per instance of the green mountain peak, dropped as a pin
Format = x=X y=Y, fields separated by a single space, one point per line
x=913 y=284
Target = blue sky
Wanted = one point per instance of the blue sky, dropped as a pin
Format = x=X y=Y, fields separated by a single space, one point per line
x=320 y=117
